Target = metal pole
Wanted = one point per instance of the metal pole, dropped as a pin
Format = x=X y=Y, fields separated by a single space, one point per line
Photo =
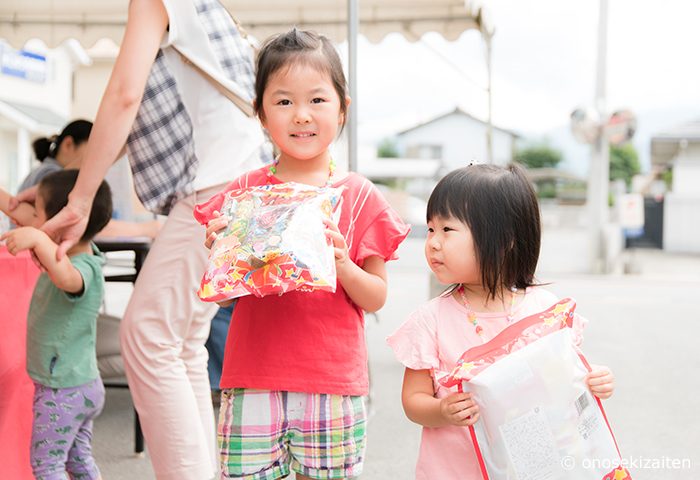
x=353 y=27
x=599 y=172
x=489 y=128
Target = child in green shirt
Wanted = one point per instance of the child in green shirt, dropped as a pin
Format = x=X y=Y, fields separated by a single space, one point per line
x=61 y=324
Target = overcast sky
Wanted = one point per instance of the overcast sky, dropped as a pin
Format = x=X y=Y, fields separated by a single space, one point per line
x=544 y=64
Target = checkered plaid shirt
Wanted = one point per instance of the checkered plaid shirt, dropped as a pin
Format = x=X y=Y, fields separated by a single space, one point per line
x=160 y=146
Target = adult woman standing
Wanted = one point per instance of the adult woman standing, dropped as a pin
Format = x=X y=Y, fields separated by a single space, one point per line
x=183 y=138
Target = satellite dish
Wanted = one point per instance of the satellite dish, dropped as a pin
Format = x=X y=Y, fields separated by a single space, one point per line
x=584 y=125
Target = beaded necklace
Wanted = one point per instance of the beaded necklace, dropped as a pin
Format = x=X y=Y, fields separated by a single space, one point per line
x=471 y=315
x=273 y=170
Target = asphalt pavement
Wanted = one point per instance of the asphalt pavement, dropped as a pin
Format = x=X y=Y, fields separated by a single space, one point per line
x=645 y=327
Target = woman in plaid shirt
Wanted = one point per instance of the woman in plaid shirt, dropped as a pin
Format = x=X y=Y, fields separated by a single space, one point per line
x=183 y=138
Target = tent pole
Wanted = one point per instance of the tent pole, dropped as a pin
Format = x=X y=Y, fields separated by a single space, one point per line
x=489 y=128
x=353 y=27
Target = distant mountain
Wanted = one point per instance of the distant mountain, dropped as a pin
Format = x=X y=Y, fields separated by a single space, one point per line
x=649 y=123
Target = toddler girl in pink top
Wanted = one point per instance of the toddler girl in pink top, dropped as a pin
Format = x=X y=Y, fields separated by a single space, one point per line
x=484 y=240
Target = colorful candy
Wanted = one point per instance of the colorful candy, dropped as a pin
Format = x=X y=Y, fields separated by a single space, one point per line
x=275 y=243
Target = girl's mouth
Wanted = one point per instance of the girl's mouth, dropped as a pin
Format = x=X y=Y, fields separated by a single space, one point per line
x=303 y=134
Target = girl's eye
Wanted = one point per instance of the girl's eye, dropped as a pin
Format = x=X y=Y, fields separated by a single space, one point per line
x=284 y=102
x=430 y=230
x=447 y=229
x=318 y=100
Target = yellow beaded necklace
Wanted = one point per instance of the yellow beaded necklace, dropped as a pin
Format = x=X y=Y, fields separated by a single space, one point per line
x=471 y=315
x=273 y=170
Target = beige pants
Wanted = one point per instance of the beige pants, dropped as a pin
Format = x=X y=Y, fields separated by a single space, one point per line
x=162 y=340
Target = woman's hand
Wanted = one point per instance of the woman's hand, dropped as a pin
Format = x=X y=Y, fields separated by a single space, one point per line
x=214 y=226
x=459 y=409
x=28 y=195
x=68 y=226
x=601 y=381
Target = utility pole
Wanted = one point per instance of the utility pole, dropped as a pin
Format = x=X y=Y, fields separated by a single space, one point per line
x=598 y=179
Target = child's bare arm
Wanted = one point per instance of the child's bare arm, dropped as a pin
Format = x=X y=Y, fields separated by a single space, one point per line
x=61 y=272
x=366 y=285
x=421 y=406
x=22 y=215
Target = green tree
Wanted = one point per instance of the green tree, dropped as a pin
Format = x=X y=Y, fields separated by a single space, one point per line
x=539 y=156
x=624 y=162
x=387 y=149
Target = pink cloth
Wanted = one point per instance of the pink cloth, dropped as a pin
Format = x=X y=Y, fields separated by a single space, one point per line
x=434 y=337
x=310 y=342
x=17 y=278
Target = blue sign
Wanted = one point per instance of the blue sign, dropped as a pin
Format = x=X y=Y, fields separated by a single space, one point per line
x=23 y=64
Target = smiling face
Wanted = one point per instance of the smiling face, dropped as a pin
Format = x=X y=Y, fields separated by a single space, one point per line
x=301 y=111
x=450 y=252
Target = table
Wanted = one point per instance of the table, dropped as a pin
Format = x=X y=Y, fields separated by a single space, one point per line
x=17 y=278
x=140 y=247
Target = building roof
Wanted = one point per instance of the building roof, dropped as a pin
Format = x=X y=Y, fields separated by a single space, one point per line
x=36 y=120
x=538 y=174
x=455 y=111
x=666 y=145
x=392 y=168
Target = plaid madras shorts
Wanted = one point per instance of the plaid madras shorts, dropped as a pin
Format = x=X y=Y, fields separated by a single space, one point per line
x=262 y=434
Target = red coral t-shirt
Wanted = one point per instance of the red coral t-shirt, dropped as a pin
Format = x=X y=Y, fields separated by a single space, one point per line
x=309 y=342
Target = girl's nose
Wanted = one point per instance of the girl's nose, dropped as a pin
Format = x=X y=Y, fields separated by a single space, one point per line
x=302 y=117
x=434 y=244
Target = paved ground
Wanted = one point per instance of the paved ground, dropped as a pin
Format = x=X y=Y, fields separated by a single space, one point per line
x=645 y=327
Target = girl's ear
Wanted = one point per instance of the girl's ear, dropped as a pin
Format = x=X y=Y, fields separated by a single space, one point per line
x=259 y=111
x=68 y=143
x=341 y=117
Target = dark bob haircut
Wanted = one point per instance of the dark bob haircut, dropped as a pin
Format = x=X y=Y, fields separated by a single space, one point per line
x=54 y=189
x=500 y=207
x=299 y=46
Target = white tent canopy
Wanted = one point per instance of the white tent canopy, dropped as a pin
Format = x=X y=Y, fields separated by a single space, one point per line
x=88 y=21
x=54 y=21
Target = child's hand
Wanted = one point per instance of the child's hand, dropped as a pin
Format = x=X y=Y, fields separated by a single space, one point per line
x=601 y=381
x=214 y=226
x=19 y=239
x=459 y=409
x=338 y=241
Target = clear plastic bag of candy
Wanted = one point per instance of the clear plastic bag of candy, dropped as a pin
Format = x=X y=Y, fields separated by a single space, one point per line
x=273 y=244
x=537 y=417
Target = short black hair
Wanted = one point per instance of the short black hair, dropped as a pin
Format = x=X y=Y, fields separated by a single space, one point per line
x=54 y=189
x=306 y=46
x=500 y=207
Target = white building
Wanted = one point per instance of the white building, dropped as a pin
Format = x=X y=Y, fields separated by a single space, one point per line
x=36 y=93
x=679 y=148
x=457 y=138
